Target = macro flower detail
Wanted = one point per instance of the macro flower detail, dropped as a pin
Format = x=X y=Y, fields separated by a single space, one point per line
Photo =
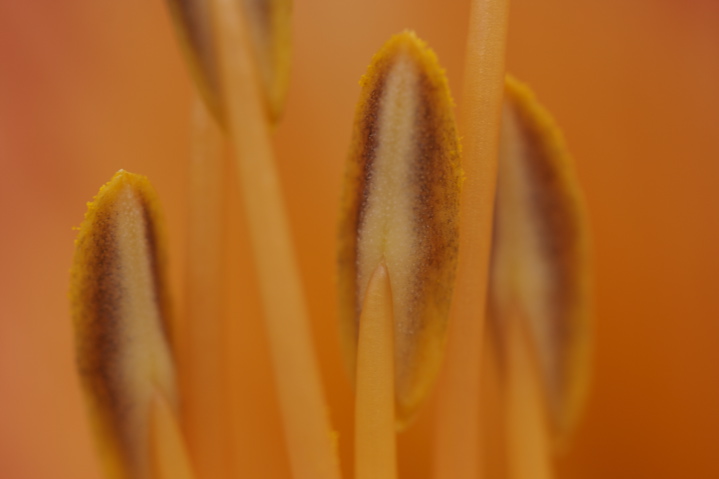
x=619 y=390
x=424 y=255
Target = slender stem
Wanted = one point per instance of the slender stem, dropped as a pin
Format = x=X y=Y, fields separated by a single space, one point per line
x=205 y=404
x=168 y=454
x=375 y=442
x=458 y=441
x=528 y=441
x=493 y=424
x=304 y=412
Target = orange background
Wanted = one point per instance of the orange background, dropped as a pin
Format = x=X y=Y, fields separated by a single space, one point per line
x=89 y=87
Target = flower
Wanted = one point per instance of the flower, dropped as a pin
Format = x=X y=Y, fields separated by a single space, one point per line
x=78 y=116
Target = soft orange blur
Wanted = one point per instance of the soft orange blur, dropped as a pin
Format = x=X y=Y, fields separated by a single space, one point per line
x=89 y=87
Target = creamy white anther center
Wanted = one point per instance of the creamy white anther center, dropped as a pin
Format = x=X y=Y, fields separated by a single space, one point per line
x=388 y=228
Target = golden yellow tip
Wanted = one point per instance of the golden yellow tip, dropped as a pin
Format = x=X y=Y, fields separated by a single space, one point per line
x=401 y=203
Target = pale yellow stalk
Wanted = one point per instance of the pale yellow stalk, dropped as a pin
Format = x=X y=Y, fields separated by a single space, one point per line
x=201 y=355
x=167 y=449
x=458 y=442
x=528 y=438
x=304 y=412
x=493 y=404
x=375 y=443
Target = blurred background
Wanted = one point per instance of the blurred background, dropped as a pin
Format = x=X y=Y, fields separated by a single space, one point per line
x=89 y=87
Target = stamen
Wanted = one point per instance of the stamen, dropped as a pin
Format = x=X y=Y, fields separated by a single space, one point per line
x=401 y=205
x=268 y=22
x=540 y=264
x=458 y=441
x=120 y=309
